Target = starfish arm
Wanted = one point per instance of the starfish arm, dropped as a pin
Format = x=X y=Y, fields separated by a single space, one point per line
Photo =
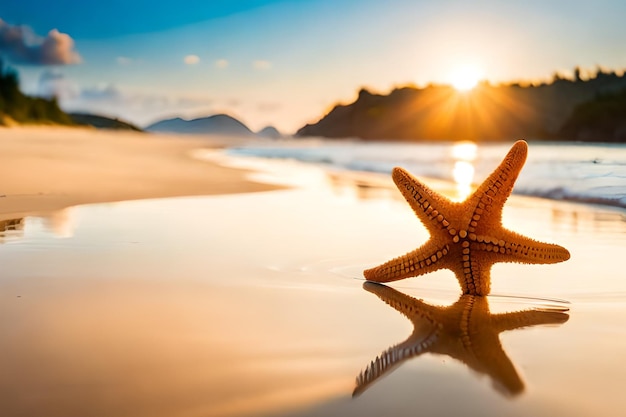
x=425 y=259
x=488 y=200
x=431 y=208
x=518 y=319
x=521 y=249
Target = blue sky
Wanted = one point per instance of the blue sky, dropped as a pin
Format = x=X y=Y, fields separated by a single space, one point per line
x=286 y=62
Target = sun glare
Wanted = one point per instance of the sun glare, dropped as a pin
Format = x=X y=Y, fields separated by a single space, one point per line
x=465 y=78
x=464 y=154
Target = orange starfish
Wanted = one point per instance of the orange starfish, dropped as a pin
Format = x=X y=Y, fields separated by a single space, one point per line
x=467 y=237
x=466 y=331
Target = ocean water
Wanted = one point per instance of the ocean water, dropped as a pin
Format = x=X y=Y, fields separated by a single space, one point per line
x=591 y=173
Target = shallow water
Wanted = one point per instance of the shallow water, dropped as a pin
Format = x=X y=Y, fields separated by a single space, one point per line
x=254 y=304
x=558 y=170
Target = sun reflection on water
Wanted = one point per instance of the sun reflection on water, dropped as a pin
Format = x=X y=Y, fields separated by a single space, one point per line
x=463 y=154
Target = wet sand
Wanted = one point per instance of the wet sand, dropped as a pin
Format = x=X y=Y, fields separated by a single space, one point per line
x=254 y=304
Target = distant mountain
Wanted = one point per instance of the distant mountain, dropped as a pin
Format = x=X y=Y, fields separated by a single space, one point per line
x=269 y=132
x=219 y=124
x=488 y=112
x=102 y=122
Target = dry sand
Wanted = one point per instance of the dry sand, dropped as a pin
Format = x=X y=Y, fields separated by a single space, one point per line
x=49 y=168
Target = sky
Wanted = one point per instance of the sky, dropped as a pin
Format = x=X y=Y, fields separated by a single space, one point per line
x=288 y=62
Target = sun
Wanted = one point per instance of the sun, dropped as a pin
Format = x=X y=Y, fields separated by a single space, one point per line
x=465 y=78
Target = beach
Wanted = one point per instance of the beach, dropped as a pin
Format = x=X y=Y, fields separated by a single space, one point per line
x=139 y=279
x=47 y=168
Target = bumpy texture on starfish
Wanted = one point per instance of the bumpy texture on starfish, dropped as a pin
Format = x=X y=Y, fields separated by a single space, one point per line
x=466 y=237
x=466 y=331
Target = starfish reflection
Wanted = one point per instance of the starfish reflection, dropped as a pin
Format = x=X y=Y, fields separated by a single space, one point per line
x=466 y=331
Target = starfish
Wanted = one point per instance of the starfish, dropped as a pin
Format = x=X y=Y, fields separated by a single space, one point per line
x=466 y=331
x=466 y=237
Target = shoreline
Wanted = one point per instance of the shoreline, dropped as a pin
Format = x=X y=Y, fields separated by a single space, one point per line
x=78 y=166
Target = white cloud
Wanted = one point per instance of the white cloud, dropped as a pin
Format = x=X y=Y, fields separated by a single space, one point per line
x=124 y=60
x=191 y=59
x=114 y=101
x=261 y=64
x=221 y=63
x=268 y=106
x=137 y=107
x=55 y=84
x=102 y=93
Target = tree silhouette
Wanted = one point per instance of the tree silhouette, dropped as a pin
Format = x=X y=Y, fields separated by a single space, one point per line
x=24 y=109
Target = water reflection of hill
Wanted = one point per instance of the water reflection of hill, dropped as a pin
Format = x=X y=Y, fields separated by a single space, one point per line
x=487 y=112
